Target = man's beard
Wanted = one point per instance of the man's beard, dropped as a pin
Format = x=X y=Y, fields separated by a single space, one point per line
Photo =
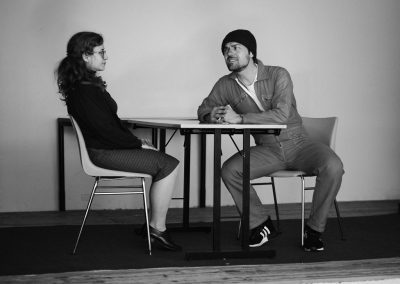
x=236 y=66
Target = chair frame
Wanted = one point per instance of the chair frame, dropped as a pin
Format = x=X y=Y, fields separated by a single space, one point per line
x=330 y=141
x=101 y=174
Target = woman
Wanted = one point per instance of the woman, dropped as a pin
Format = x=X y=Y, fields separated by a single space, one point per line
x=110 y=144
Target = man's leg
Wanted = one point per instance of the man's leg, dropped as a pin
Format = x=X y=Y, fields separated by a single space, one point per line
x=319 y=159
x=263 y=160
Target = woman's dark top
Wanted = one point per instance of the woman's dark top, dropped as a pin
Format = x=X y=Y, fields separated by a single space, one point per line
x=96 y=113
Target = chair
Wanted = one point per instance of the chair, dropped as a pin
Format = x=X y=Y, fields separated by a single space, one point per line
x=319 y=129
x=101 y=174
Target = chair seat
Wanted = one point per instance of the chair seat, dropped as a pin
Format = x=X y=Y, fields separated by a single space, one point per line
x=283 y=174
x=94 y=171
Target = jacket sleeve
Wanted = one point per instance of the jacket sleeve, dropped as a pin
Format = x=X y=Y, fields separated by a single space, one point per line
x=282 y=102
x=215 y=98
x=103 y=127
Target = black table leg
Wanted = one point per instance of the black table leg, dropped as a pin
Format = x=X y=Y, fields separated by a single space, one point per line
x=217 y=191
x=246 y=189
x=202 y=190
x=186 y=181
x=162 y=140
x=154 y=137
x=61 y=172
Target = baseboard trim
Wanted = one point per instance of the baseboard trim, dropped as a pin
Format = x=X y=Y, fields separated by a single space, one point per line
x=135 y=216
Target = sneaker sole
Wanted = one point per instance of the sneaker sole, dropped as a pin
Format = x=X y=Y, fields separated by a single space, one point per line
x=259 y=244
x=313 y=249
x=266 y=240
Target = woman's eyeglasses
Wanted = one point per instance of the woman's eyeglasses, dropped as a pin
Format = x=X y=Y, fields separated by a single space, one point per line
x=102 y=53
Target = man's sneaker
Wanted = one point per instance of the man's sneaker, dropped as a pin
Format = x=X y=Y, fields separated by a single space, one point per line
x=312 y=240
x=262 y=234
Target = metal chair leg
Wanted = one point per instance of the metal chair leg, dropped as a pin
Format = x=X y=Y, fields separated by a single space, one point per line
x=275 y=204
x=239 y=230
x=302 y=209
x=86 y=213
x=146 y=213
x=339 y=220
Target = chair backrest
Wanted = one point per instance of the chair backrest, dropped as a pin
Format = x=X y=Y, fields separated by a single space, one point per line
x=91 y=169
x=87 y=164
x=322 y=129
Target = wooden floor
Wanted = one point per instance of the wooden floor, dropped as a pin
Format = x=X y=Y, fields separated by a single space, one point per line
x=379 y=271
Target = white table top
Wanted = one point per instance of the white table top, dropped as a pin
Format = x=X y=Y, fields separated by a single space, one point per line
x=194 y=123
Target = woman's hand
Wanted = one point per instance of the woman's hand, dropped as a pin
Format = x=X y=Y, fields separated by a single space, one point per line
x=146 y=144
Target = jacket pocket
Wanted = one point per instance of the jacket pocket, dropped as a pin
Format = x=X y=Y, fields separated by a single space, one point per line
x=267 y=101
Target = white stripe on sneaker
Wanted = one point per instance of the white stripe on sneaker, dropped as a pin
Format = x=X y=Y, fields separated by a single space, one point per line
x=264 y=237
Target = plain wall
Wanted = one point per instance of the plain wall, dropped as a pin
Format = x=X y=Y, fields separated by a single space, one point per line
x=164 y=57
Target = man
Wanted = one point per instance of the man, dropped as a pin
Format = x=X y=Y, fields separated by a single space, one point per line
x=253 y=93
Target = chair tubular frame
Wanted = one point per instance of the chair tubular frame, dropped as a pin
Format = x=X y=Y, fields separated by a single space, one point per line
x=94 y=192
x=109 y=175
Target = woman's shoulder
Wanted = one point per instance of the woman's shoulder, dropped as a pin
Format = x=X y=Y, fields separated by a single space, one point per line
x=84 y=91
x=88 y=86
x=87 y=89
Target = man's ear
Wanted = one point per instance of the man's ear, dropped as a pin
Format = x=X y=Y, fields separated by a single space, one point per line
x=251 y=54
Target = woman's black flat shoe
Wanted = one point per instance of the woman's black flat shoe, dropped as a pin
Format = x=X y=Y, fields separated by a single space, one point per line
x=163 y=240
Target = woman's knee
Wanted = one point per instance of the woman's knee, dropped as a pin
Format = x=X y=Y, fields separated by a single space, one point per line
x=334 y=166
x=166 y=168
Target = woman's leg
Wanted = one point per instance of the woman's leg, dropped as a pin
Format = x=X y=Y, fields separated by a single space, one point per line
x=162 y=167
x=160 y=196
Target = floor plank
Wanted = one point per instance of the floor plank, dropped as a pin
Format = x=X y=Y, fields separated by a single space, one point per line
x=333 y=272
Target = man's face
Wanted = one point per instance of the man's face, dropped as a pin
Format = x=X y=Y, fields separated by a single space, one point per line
x=237 y=56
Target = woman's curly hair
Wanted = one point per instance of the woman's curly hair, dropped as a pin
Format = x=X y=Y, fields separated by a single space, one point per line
x=72 y=69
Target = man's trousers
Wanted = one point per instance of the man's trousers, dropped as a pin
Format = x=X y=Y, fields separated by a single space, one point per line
x=300 y=153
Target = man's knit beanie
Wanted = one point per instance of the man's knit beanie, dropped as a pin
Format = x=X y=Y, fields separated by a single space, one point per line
x=244 y=37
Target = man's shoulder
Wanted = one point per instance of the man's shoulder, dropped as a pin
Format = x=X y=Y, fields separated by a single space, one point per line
x=271 y=68
x=226 y=79
x=269 y=71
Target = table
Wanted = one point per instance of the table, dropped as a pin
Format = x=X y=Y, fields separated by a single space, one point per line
x=193 y=126
x=187 y=127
